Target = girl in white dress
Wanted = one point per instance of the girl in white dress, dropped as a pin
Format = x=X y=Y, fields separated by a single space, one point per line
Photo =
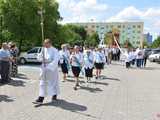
x=76 y=63
x=88 y=64
x=99 y=59
x=64 y=61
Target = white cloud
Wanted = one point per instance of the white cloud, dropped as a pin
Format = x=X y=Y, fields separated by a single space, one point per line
x=150 y=17
x=132 y=13
x=85 y=10
x=157 y=24
x=152 y=12
x=82 y=10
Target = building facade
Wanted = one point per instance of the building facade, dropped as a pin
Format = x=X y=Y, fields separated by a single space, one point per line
x=128 y=31
x=148 y=38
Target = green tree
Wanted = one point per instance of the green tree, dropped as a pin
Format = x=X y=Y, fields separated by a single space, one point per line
x=22 y=20
x=145 y=44
x=92 y=40
x=7 y=36
x=81 y=33
x=156 y=43
x=65 y=34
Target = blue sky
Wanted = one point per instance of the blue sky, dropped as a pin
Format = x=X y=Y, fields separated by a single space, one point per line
x=147 y=11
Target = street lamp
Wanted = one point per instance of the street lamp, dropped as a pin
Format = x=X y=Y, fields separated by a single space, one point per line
x=1 y=23
x=41 y=12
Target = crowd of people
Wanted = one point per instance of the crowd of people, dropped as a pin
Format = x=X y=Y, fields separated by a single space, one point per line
x=77 y=59
x=82 y=61
x=87 y=61
x=136 y=57
x=8 y=62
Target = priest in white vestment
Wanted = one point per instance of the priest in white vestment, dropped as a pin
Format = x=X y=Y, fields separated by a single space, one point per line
x=49 y=78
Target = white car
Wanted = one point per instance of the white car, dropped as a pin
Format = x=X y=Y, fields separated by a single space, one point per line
x=154 y=57
x=30 y=56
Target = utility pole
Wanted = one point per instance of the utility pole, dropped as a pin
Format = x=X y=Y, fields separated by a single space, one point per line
x=1 y=30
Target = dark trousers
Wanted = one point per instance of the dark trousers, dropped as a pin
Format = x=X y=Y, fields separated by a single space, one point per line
x=127 y=64
x=139 y=62
x=142 y=62
x=145 y=61
x=4 y=65
x=114 y=57
x=133 y=62
x=106 y=59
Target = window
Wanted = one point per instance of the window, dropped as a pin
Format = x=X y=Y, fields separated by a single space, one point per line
x=102 y=27
x=138 y=42
x=93 y=26
x=92 y=31
x=40 y=49
x=134 y=26
x=119 y=26
x=34 y=50
x=138 y=31
x=139 y=26
x=129 y=28
x=138 y=37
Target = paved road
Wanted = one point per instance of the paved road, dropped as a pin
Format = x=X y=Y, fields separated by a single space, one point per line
x=123 y=94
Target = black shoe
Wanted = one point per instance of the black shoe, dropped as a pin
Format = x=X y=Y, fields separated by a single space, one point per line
x=39 y=101
x=54 y=98
x=75 y=88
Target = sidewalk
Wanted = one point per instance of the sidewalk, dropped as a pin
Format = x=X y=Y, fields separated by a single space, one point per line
x=123 y=94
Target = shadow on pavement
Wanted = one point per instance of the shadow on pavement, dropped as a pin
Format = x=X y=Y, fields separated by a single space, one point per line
x=117 y=63
x=109 y=78
x=72 y=80
x=65 y=105
x=31 y=64
x=22 y=76
x=5 y=98
x=73 y=107
x=17 y=83
x=80 y=77
x=150 y=68
x=100 y=83
x=93 y=90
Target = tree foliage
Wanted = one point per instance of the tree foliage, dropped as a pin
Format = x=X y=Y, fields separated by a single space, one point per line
x=92 y=40
x=156 y=43
x=21 y=24
x=22 y=20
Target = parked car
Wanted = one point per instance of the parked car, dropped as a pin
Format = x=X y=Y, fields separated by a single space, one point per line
x=154 y=55
x=157 y=58
x=30 y=56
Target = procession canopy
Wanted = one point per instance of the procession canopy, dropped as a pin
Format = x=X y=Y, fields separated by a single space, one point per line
x=111 y=36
